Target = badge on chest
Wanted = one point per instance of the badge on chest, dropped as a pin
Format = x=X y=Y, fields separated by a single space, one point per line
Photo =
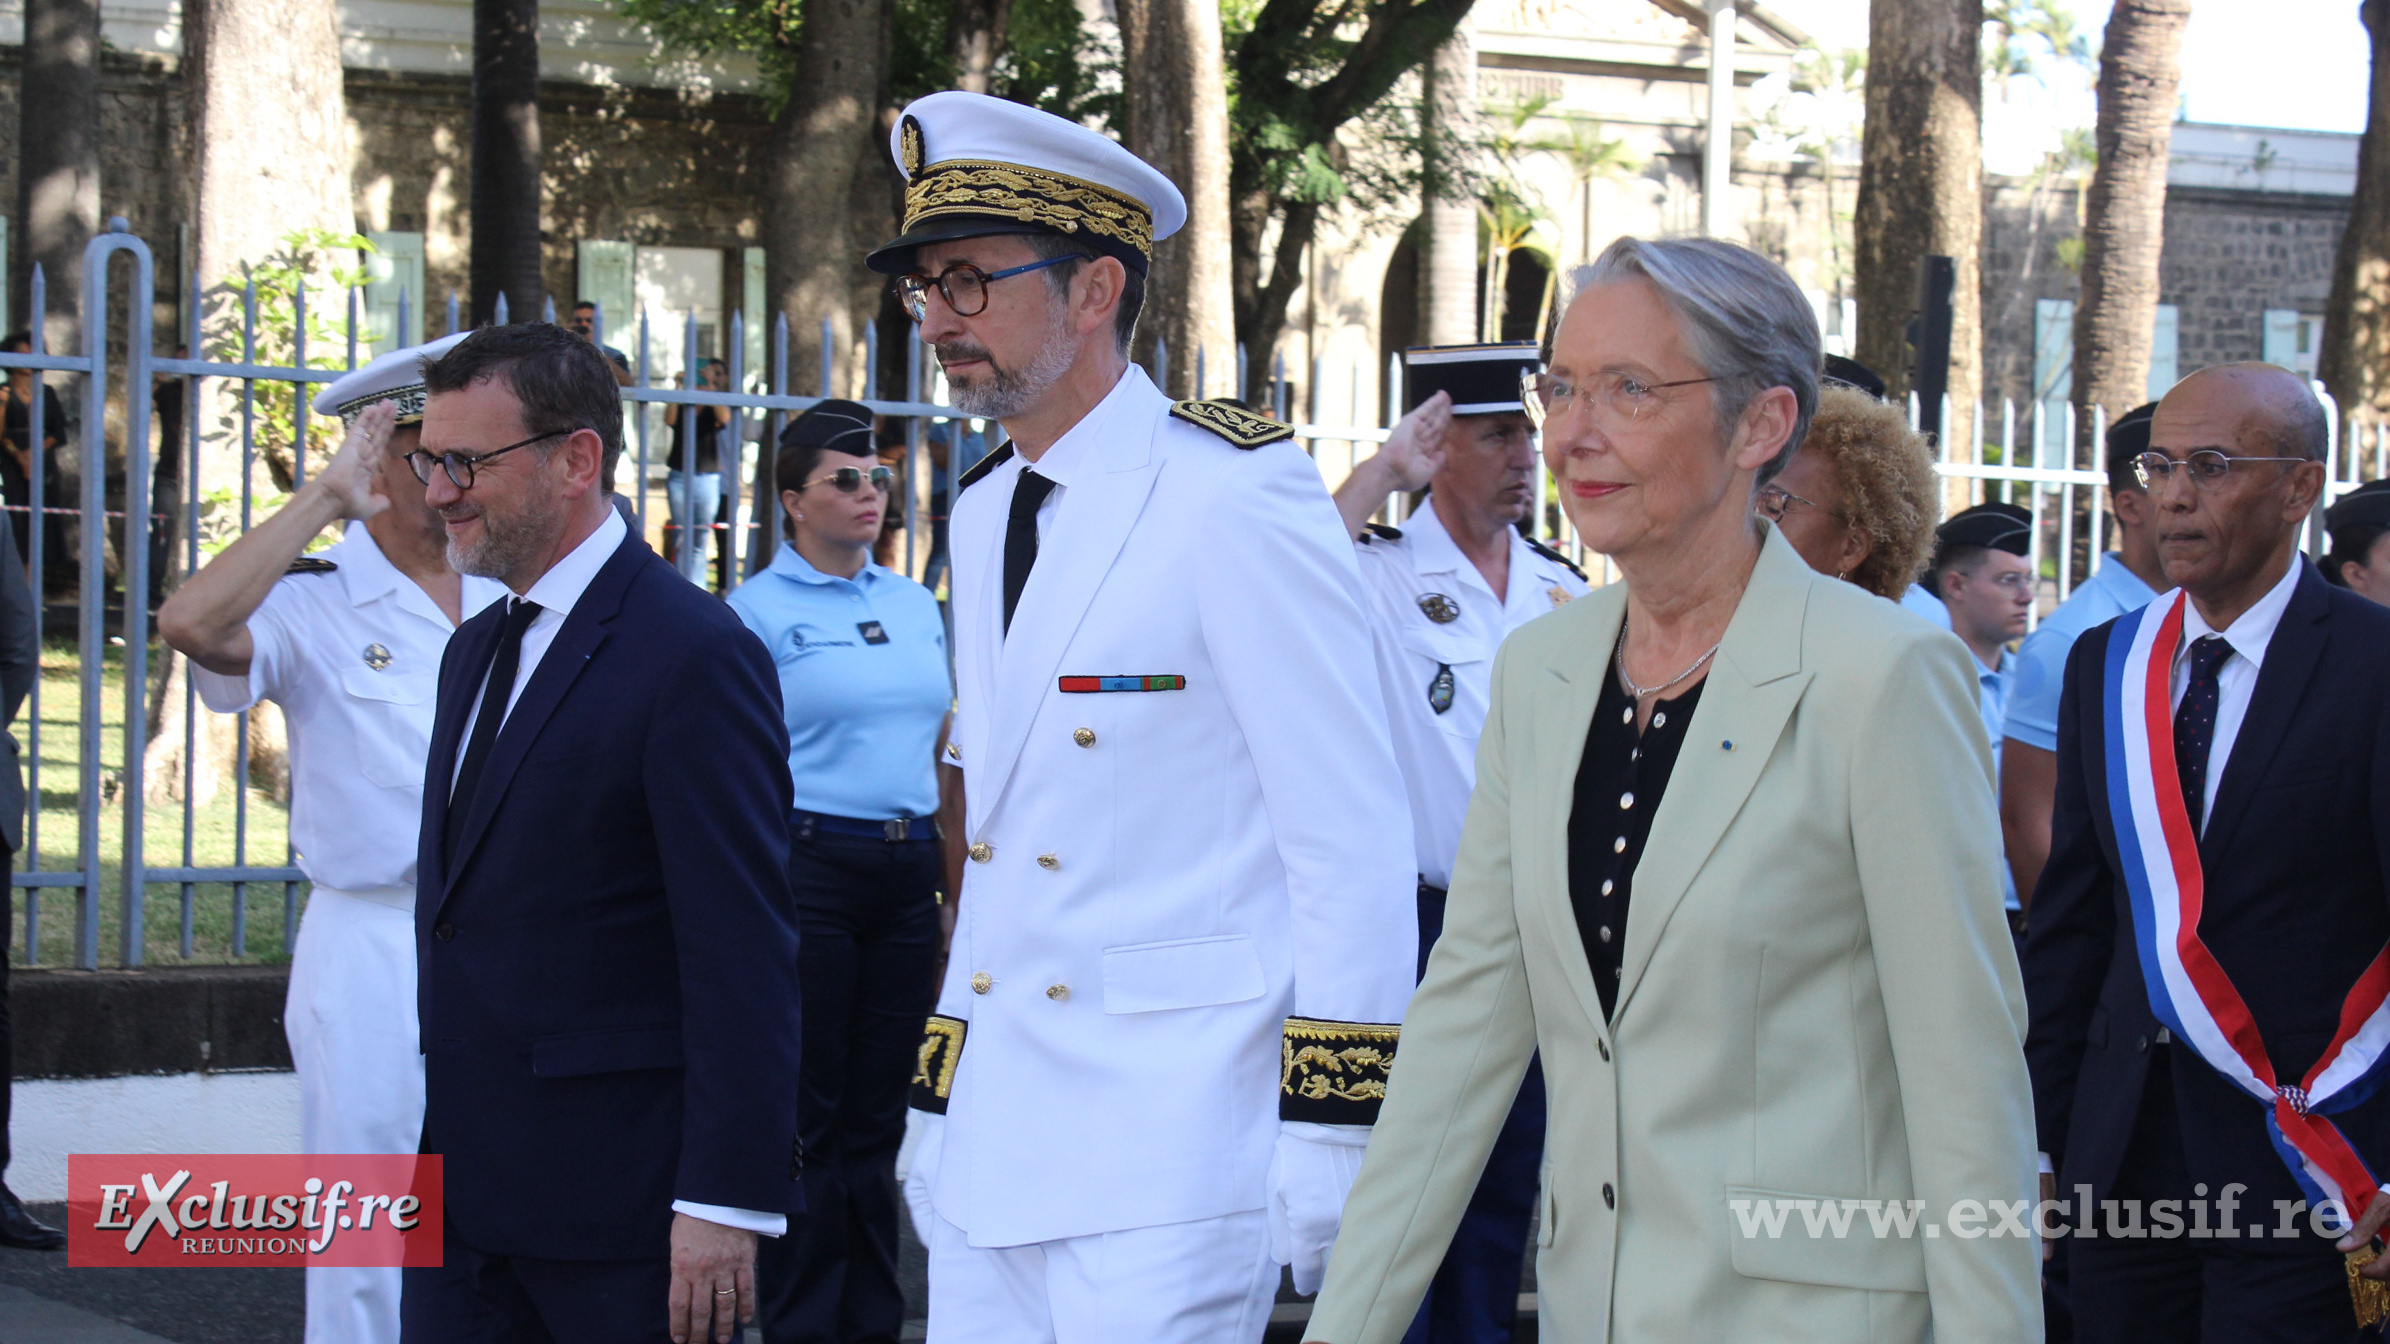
x=1439 y=608
x=872 y=632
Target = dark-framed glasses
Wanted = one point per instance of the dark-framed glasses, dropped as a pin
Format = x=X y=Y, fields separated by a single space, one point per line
x=964 y=286
x=1621 y=396
x=461 y=466
x=847 y=480
x=2208 y=466
x=1774 y=501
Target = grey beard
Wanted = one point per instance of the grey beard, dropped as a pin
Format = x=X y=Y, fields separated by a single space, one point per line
x=1000 y=395
x=505 y=546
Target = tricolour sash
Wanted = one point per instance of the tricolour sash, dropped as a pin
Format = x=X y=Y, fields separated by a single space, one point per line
x=2187 y=989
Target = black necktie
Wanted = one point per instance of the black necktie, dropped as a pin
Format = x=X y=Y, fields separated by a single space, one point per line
x=1020 y=538
x=2195 y=724
x=503 y=666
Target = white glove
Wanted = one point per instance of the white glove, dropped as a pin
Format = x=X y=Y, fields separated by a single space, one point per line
x=917 y=1166
x=1311 y=1171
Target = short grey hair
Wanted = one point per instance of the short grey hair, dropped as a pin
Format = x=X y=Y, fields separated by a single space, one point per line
x=1750 y=326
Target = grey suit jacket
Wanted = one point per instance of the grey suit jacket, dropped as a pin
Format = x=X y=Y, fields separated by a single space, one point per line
x=1818 y=1003
x=20 y=662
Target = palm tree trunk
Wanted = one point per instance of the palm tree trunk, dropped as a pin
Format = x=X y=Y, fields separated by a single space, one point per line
x=1448 y=241
x=2355 y=360
x=2125 y=215
x=1178 y=122
x=505 y=170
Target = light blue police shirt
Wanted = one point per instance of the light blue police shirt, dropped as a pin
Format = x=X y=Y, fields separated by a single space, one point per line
x=2110 y=592
x=1992 y=688
x=864 y=684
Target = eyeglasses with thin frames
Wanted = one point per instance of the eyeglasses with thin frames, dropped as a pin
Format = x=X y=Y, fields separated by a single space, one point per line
x=461 y=466
x=2208 y=466
x=964 y=286
x=1623 y=396
x=1775 y=501
x=847 y=480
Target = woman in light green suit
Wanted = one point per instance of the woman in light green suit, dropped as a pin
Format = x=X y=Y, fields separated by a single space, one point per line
x=1733 y=866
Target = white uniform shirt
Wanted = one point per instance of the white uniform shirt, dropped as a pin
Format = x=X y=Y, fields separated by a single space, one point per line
x=1423 y=661
x=2236 y=680
x=352 y=656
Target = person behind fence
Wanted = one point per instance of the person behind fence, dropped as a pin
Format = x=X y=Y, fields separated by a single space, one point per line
x=861 y=652
x=347 y=642
x=2126 y=580
x=608 y=985
x=2206 y=957
x=18 y=465
x=584 y=324
x=1730 y=864
x=1444 y=590
x=20 y=663
x=2359 y=525
x=1188 y=923
x=1858 y=498
x=693 y=485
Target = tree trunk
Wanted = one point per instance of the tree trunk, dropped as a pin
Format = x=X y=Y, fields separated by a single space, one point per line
x=58 y=163
x=1448 y=232
x=1921 y=188
x=2125 y=214
x=2355 y=360
x=505 y=188
x=831 y=121
x=269 y=131
x=1177 y=119
x=975 y=40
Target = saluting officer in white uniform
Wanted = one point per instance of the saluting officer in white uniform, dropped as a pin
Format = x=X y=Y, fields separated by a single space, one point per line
x=1185 y=933
x=347 y=642
x=1445 y=589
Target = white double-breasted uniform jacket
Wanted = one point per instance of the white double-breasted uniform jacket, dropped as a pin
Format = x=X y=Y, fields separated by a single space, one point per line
x=1162 y=878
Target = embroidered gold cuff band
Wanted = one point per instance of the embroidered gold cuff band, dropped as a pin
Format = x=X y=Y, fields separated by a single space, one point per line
x=933 y=1067
x=1334 y=1073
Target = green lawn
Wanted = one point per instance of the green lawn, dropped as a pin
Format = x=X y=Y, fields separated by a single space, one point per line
x=221 y=928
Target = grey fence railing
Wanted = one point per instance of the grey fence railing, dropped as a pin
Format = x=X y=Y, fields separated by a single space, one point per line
x=187 y=862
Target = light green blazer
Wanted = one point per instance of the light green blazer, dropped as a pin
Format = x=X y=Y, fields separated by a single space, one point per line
x=1818 y=1001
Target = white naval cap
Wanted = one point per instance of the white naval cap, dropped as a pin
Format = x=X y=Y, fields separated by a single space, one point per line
x=395 y=377
x=977 y=165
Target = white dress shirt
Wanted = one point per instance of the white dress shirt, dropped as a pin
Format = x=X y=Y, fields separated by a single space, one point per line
x=556 y=592
x=352 y=656
x=2236 y=680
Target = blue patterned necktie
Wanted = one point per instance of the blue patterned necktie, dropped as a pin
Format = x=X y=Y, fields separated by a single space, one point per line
x=2195 y=724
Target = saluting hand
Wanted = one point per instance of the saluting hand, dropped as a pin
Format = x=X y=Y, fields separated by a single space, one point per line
x=353 y=477
x=1414 y=451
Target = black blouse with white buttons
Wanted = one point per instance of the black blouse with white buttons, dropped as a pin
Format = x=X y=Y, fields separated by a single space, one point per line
x=1619 y=783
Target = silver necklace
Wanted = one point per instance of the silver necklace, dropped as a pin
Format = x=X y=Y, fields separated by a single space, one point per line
x=1619 y=663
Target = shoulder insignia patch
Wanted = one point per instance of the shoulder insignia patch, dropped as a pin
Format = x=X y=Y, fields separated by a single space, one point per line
x=1556 y=558
x=1240 y=427
x=310 y=564
x=982 y=467
x=1380 y=532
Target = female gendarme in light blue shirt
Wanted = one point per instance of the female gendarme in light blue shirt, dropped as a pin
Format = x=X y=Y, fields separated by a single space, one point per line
x=861 y=652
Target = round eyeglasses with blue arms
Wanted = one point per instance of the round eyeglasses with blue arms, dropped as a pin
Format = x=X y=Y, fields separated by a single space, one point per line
x=964 y=286
x=1622 y=395
x=2208 y=466
x=460 y=466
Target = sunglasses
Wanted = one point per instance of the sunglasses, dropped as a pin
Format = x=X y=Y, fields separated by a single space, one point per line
x=847 y=480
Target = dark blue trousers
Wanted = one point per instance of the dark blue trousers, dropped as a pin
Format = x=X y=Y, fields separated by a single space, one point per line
x=867 y=919
x=475 y=1297
x=1474 y=1298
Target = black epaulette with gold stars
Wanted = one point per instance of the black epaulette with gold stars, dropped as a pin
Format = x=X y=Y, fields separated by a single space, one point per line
x=1334 y=1073
x=311 y=564
x=1233 y=423
x=982 y=467
x=933 y=1067
x=1556 y=557
x=1379 y=532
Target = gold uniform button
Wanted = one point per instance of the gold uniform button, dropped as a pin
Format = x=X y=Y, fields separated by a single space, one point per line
x=1058 y=992
x=1048 y=862
x=1085 y=737
x=982 y=852
x=982 y=982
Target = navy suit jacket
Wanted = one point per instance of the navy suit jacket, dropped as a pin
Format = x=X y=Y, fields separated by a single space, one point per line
x=609 y=971
x=2296 y=858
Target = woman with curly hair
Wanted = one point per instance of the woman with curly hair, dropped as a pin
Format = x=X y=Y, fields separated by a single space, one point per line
x=1857 y=500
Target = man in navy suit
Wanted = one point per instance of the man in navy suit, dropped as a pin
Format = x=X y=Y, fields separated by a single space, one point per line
x=609 y=951
x=2256 y=775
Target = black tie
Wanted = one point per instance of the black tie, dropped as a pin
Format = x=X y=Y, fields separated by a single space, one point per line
x=1020 y=538
x=2195 y=724
x=503 y=666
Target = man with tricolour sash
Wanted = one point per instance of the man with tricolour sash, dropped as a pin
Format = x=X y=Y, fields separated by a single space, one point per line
x=2209 y=961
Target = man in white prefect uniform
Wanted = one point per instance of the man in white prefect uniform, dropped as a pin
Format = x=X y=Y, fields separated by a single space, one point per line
x=1185 y=935
x=347 y=641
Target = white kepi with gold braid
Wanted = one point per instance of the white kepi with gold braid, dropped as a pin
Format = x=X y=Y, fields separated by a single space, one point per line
x=976 y=165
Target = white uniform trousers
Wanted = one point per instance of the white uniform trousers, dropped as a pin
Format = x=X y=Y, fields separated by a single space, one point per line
x=1205 y=1282
x=351 y=1023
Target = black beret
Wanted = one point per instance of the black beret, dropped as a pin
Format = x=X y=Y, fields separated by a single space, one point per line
x=2366 y=506
x=2128 y=438
x=832 y=425
x=1480 y=379
x=1852 y=373
x=1999 y=527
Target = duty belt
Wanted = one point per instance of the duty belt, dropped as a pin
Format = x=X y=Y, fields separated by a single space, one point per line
x=897 y=828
